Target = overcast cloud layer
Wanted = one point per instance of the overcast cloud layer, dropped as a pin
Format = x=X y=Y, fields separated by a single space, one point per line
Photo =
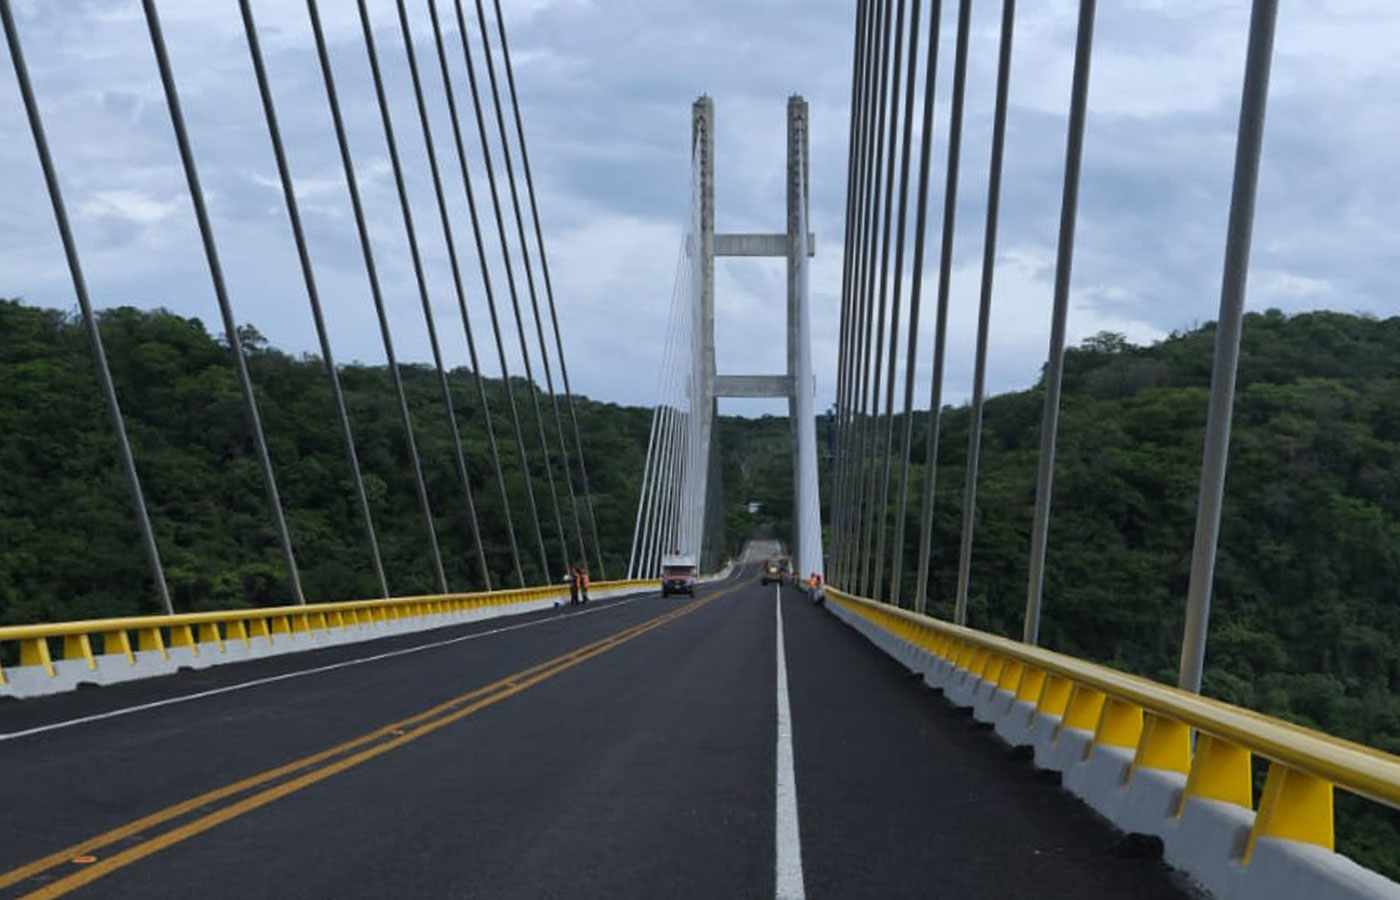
x=606 y=89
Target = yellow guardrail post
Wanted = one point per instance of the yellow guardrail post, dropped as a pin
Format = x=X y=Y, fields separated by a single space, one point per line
x=209 y=634
x=35 y=652
x=1295 y=806
x=118 y=642
x=1119 y=725
x=1220 y=770
x=183 y=636
x=1011 y=674
x=1054 y=696
x=1083 y=709
x=1032 y=680
x=77 y=646
x=1165 y=744
x=150 y=639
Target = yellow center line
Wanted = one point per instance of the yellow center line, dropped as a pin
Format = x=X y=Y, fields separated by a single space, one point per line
x=179 y=809
x=477 y=699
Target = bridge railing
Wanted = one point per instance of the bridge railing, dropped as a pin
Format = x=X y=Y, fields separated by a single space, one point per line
x=53 y=653
x=1072 y=711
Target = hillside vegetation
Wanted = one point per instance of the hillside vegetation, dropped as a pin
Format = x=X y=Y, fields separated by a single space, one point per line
x=71 y=547
x=1305 y=622
x=1306 y=617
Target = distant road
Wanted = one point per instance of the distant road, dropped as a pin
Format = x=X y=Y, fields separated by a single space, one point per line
x=757 y=551
x=629 y=749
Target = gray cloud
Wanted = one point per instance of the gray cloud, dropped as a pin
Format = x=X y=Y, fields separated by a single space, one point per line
x=606 y=89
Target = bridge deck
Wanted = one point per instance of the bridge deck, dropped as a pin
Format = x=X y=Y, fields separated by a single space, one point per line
x=642 y=766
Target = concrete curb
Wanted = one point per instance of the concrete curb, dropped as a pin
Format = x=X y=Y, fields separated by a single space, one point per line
x=1206 y=842
x=32 y=681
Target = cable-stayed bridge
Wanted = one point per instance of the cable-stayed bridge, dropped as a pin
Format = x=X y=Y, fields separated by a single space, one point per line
x=503 y=733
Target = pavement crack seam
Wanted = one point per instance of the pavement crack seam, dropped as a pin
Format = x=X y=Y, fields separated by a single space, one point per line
x=233 y=800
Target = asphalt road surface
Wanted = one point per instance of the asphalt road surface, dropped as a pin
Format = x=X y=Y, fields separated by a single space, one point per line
x=635 y=748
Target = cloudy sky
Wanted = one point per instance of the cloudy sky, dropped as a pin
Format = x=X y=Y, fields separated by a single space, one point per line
x=606 y=88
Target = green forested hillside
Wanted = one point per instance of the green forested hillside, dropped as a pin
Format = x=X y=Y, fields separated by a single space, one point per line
x=1306 y=614
x=68 y=540
x=1306 y=618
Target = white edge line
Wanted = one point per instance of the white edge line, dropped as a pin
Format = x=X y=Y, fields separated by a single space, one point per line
x=787 y=838
x=185 y=698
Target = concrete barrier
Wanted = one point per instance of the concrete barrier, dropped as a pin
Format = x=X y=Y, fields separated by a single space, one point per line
x=1208 y=841
x=209 y=646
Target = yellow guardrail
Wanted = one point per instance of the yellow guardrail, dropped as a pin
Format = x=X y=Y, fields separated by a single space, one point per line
x=192 y=629
x=1156 y=722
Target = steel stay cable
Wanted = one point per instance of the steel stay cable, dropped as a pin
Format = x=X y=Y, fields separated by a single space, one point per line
x=455 y=267
x=75 y=271
x=660 y=464
x=855 y=213
x=880 y=286
x=836 y=426
x=862 y=574
x=668 y=509
x=865 y=297
x=660 y=484
x=509 y=267
x=216 y=276
x=530 y=277
x=926 y=143
x=916 y=288
x=858 y=316
x=914 y=311
x=650 y=470
x=372 y=273
x=652 y=542
x=420 y=278
x=549 y=287
x=878 y=44
x=881 y=317
x=887 y=142
x=657 y=465
x=1054 y=369
x=485 y=270
x=676 y=501
x=313 y=294
x=1249 y=140
x=642 y=492
x=672 y=508
x=984 y=310
x=945 y=277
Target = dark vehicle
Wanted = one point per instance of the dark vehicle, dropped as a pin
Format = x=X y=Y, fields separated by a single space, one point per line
x=776 y=570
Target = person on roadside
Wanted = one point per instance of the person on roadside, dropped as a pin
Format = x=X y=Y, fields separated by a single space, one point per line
x=583 y=583
x=573 y=586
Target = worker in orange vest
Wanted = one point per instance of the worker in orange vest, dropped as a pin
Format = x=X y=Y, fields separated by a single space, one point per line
x=583 y=583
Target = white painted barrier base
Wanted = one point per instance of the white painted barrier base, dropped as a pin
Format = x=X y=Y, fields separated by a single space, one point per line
x=1207 y=842
x=34 y=681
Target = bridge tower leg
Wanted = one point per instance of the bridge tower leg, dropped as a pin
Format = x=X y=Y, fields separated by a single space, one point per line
x=703 y=400
x=807 y=538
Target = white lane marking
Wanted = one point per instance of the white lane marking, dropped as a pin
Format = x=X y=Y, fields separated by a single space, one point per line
x=185 y=698
x=787 y=840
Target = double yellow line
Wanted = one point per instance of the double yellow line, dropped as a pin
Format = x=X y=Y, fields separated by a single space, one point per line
x=313 y=769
